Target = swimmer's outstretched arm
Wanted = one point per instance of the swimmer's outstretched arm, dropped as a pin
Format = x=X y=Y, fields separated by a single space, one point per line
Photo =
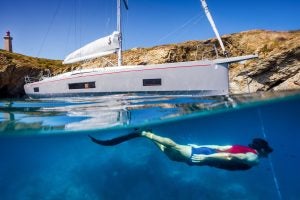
x=247 y=157
x=218 y=147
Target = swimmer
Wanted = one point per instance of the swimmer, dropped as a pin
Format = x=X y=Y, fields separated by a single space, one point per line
x=229 y=157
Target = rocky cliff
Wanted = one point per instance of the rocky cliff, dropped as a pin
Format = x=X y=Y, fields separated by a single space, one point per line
x=278 y=66
x=14 y=67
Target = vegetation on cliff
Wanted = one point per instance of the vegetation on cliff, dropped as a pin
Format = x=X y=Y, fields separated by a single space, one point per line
x=278 y=66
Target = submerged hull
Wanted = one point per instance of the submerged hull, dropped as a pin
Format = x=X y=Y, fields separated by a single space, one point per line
x=196 y=77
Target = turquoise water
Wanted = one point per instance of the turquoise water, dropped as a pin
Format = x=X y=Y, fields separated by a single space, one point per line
x=45 y=152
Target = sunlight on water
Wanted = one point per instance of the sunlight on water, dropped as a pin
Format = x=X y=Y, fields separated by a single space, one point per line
x=89 y=113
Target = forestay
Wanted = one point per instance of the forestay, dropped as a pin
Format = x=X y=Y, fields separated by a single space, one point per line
x=101 y=47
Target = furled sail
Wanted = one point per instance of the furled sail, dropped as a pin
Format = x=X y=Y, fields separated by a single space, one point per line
x=101 y=47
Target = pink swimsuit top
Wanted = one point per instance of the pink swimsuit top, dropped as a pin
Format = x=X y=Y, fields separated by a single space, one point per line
x=239 y=149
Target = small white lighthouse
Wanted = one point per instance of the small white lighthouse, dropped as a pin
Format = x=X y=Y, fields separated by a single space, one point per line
x=8 y=42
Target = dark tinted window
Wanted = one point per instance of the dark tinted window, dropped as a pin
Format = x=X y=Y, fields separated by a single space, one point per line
x=36 y=89
x=151 y=82
x=84 y=85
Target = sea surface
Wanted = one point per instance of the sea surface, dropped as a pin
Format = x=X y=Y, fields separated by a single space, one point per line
x=45 y=151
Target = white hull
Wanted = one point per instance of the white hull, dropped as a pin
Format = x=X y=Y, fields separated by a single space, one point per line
x=196 y=77
x=201 y=76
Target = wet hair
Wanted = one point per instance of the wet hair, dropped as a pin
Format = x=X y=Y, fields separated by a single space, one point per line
x=261 y=146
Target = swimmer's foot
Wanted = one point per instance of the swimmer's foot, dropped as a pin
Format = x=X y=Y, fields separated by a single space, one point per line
x=142 y=131
x=147 y=134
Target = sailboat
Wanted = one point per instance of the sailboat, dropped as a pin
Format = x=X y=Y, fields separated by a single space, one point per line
x=201 y=77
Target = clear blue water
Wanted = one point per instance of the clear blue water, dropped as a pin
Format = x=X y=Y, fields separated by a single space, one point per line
x=45 y=152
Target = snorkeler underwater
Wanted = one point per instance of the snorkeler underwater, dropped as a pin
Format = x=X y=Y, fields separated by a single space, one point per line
x=229 y=157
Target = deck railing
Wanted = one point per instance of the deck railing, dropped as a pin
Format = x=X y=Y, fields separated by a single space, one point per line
x=41 y=76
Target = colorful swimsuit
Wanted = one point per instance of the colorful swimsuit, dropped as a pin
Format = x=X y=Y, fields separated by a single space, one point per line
x=239 y=149
x=235 y=164
x=203 y=151
x=233 y=150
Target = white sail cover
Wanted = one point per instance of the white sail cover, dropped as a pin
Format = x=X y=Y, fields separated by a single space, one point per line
x=212 y=23
x=101 y=47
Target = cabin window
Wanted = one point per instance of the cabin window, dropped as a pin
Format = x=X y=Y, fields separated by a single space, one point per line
x=36 y=89
x=84 y=85
x=152 y=82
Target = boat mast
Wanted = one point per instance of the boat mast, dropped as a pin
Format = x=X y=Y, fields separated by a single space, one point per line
x=119 y=29
x=213 y=25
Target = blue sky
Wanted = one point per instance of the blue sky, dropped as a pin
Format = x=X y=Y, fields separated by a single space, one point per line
x=54 y=28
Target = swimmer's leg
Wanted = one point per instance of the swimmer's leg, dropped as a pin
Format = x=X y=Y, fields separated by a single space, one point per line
x=160 y=146
x=167 y=142
x=172 y=149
